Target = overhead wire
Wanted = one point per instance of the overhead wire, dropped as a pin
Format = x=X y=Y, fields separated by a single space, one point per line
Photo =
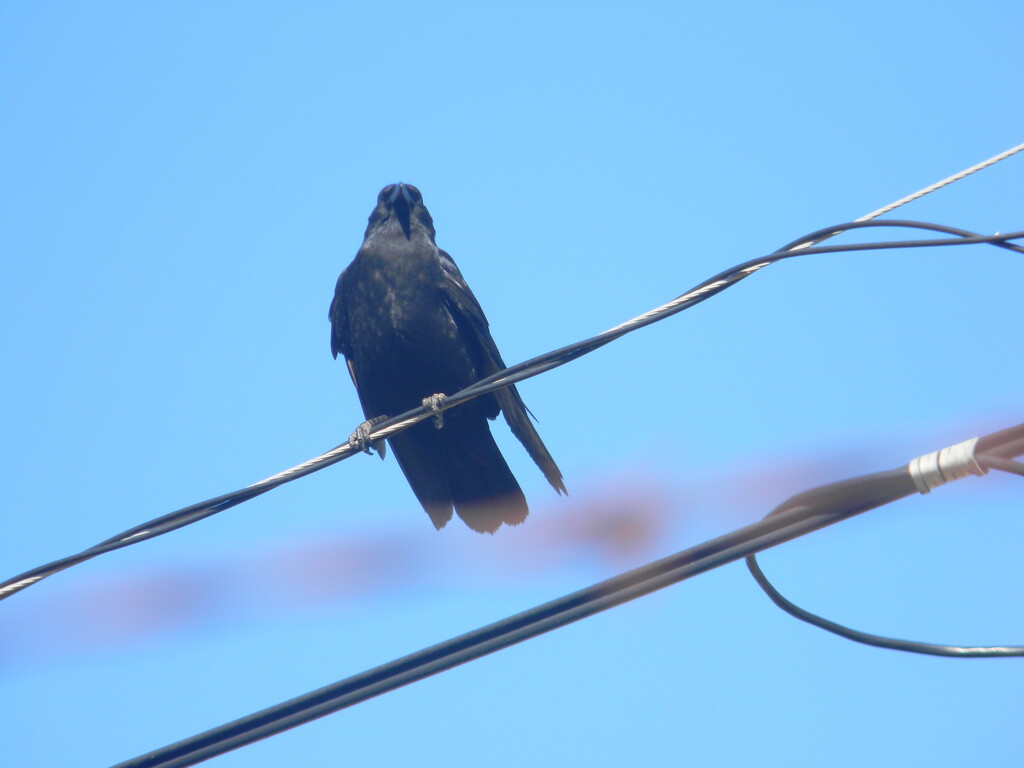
x=803 y=513
x=919 y=193
x=976 y=456
x=945 y=182
x=195 y=512
x=787 y=522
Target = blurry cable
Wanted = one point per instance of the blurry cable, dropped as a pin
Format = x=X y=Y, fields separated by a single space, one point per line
x=799 y=515
x=533 y=367
x=971 y=457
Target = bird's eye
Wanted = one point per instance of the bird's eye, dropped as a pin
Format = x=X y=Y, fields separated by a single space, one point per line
x=385 y=193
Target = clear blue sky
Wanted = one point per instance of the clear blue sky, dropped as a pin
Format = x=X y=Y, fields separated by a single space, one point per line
x=182 y=184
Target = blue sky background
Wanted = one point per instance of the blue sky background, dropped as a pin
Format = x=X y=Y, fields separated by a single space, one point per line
x=182 y=184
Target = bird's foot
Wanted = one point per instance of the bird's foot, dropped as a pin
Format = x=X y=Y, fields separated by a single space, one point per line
x=360 y=439
x=434 y=403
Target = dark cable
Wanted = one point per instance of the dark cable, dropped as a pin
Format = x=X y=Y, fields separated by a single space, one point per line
x=1006 y=465
x=533 y=367
x=892 y=643
x=799 y=515
x=888 y=485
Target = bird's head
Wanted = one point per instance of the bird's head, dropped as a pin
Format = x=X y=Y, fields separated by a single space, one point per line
x=401 y=204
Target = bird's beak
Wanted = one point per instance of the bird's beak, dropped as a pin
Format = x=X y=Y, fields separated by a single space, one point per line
x=400 y=202
x=400 y=191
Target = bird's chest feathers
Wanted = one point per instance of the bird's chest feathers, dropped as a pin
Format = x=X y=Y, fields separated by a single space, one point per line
x=399 y=300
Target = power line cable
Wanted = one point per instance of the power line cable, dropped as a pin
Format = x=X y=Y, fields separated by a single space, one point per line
x=533 y=367
x=928 y=472
x=945 y=182
x=922 y=192
x=799 y=515
x=197 y=512
x=788 y=521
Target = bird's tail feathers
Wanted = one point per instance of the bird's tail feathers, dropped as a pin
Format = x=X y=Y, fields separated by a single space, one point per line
x=518 y=418
x=460 y=466
x=484 y=490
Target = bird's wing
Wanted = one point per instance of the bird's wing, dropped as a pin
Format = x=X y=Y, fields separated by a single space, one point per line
x=469 y=316
x=340 y=342
x=463 y=303
x=339 y=324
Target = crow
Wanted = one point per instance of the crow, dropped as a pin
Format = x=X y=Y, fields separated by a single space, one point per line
x=412 y=331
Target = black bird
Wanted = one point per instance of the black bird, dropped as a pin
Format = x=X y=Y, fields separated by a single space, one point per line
x=410 y=328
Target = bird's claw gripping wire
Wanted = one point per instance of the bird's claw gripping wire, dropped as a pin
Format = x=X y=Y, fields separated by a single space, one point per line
x=434 y=403
x=360 y=439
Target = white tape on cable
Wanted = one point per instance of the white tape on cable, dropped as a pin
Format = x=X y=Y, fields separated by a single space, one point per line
x=941 y=467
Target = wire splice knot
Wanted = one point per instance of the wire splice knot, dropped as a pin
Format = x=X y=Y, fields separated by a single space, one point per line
x=941 y=467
